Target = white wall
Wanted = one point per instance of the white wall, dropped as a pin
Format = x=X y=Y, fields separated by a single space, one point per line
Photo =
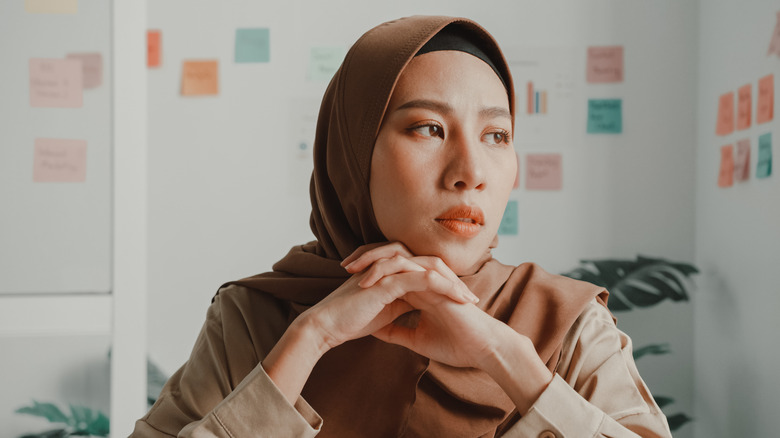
x=226 y=192
x=737 y=235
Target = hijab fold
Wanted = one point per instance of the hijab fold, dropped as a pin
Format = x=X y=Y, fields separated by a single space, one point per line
x=367 y=387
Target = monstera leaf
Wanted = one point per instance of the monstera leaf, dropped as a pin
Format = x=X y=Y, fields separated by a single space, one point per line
x=642 y=282
x=81 y=421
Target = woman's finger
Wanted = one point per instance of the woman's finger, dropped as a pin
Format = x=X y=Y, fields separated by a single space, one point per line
x=384 y=267
x=398 y=285
x=436 y=264
x=366 y=255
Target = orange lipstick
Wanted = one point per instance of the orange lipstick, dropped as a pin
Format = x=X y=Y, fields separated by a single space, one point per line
x=462 y=220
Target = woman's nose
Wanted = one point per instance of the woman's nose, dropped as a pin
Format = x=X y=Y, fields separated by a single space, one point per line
x=465 y=165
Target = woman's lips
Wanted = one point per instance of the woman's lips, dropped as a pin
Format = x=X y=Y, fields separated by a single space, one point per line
x=462 y=220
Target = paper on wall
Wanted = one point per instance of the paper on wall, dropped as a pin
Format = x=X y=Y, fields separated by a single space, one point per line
x=56 y=83
x=726 y=174
x=59 y=160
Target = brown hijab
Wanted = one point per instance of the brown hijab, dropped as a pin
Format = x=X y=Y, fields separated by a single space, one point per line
x=366 y=387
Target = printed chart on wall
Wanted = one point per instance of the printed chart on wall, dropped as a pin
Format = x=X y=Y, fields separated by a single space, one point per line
x=546 y=87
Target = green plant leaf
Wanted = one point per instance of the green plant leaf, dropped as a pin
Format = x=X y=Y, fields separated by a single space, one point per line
x=48 y=411
x=662 y=401
x=676 y=421
x=99 y=425
x=652 y=349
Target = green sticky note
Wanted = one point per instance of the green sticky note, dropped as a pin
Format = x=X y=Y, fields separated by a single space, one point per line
x=764 y=168
x=605 y=116
x=253 y=45
x=324 y=61
x=508 y=224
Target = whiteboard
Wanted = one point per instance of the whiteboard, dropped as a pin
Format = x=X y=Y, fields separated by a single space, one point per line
x=55 y=237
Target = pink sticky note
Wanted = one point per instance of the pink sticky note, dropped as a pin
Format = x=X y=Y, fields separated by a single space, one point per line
x=766 y=99
x=726 y=174
x=60 y=160
x=91 y=68
x=605 y=64
x=744 y=105
x=725 y=114
x=742 y=165
x=516 y=185
x=55 y=83
x=543 y=172
x=774 y=41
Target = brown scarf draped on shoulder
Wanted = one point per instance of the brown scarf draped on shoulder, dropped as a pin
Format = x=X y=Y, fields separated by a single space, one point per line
x=366 y=387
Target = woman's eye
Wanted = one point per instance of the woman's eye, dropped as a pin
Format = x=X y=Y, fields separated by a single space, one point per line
x=496 y=137
x=429 y=131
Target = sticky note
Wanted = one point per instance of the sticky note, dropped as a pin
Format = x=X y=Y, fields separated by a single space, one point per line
x=153 y=48
x=509 y=222
x=774 y=41
x=765 y=107
x=744 y=105
x=543 y=172
x=605 y=116
x=742 y=164
x=764 y=167
x=516 y=185
x=91 y=68
x=253 y=45
x=51 y=6
x=323 y=62
x=605 y=64
x=59 y=160
x=55 y=83
x=725 y=124
x=199 y=78
x=726 y=174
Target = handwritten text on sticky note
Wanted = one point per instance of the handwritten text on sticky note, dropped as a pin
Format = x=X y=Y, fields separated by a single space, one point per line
x=764 y=167
x=91 y=68
x=726 y=173
x=543 y=172
x=742 y=164
x=51 y=6
x=725 y=114
x=55 y=83
x=605 y=64
x=765 y=107
x=605 y=116
x=509 y=222
x=253 y=45
x=744 y=106
x=199 y=78
x=153 y=48
x=59 y=160
x=324 y=61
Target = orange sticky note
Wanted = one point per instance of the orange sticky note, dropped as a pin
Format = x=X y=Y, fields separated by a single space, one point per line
x=766 y=99
x=726 y=174
x=55 y=83
x=91 y=68
x=543 y=172
x=516 y=185
x=742 y=165
x=725 y=114
x=744 y=105
x=153 y=48
x=605 y=64
x=199 y=78
x=59 y=160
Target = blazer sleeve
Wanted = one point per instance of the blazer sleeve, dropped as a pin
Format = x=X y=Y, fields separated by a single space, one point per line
x=222 y=390
x=596 y=390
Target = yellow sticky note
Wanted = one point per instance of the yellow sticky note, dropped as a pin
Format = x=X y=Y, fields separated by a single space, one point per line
x=725 y=114
x=744 y=105
x=726 y=174
x=766 y=99
x=199 y=78
x=51 y=6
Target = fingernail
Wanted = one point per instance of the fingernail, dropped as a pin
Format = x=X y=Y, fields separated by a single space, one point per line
x=349 y=265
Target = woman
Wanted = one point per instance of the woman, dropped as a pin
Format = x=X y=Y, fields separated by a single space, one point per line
x=396 y=321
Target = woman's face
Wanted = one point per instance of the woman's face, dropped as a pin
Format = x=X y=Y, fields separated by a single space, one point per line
x=443 y=164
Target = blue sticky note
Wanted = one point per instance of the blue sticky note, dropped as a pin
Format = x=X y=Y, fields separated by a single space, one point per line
x=324 y=62
x=253 y=45
x=605 y=116
x=764 y=168
x=508 y=224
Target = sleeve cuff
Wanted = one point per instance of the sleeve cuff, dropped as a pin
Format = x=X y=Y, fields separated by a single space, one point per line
x=559 y=412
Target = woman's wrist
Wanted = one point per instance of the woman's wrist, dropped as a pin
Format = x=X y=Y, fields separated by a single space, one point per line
x=513 y=363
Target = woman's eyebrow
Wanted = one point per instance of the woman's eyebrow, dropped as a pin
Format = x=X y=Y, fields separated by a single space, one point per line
x=445 y=109
x=493 y=112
